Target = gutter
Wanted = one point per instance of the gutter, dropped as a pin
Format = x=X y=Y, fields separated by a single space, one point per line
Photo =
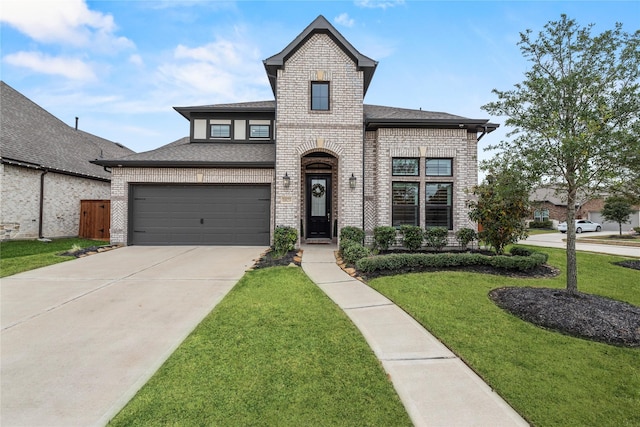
x=41 y=214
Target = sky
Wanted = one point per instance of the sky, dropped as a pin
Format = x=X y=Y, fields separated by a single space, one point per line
x=121 y=66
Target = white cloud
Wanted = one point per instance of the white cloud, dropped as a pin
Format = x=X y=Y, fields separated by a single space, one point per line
x=343 y=19
x=136 y=59
x=71 y=68
x=65 y=21
x=380 y=4
x=221 y=71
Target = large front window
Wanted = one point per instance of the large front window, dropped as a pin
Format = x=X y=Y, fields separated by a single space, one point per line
x=405 y=166
x=439 y=204
x=320 y=96
x=439 y=167
x=405 y=204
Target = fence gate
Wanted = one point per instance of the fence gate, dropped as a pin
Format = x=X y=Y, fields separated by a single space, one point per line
x=95 y=219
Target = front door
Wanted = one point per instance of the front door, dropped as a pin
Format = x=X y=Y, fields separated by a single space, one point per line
x=318 y=206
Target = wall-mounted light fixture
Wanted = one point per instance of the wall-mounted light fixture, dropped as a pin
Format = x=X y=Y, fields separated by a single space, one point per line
x=286 y=180
x=352 y=181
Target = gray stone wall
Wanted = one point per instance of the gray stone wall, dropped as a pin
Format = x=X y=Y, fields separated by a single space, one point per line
x=20 y=206
x=123 y=177
x=299 y=130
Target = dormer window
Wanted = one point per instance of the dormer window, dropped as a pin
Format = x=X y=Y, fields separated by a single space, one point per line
x=259 y=131
x=320 y=96
x=220 y=131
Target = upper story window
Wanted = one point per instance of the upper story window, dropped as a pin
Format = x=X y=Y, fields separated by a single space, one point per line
x=259 y=131
x=320 y=96
x=220 y=131
x=439 y=167
x=405 y=166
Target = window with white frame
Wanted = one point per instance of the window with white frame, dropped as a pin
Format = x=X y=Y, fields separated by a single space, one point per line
x=541 y=215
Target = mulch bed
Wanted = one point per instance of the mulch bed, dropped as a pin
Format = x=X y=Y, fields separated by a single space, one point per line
x=580 y=315
x=268 y=260
x=91 y=250
x=541 y=272
x=635 y=264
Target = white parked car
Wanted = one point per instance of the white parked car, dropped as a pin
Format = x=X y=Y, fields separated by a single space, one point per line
x=581 y=225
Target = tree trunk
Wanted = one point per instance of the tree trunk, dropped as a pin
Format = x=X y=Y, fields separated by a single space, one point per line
x=572 y=264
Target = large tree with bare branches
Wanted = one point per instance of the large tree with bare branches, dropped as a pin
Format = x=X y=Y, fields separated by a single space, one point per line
x=574 y=118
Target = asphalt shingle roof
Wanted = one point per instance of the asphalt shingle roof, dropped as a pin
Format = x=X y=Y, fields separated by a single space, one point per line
x=32 y=136
x=184 y=153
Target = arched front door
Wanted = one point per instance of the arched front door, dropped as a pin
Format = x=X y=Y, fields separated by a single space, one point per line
x=318 y=206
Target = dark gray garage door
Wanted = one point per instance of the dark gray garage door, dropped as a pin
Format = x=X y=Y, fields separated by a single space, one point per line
x=199 y=214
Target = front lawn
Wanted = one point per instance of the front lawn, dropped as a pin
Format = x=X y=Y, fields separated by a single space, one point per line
x=275 y=351
x=17 y=256
x=549 y=378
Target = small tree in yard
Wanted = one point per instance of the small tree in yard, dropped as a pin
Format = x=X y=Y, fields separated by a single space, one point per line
x=618 y=210
x=575 y=116
x=501 y=207
x=436 y=237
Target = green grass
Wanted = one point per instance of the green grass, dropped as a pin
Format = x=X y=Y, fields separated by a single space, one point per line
x=549 y=378
x=533 y=231
x=17 y=256
x=275 y=351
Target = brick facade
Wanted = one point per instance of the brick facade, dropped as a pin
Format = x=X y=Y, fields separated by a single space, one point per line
x=300 y=131
x=20 y=207
x=386 y=143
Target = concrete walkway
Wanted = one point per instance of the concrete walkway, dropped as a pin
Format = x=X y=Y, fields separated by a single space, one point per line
x=557 y=240
x=80 y=338
x=435 y=386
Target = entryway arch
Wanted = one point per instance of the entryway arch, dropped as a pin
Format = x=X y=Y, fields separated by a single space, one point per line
x=319 y=202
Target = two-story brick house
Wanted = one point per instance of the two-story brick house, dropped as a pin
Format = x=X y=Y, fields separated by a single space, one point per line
x=316 y=158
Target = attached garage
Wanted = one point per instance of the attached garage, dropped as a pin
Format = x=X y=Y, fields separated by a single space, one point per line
x=634 y=220
x=199 y=214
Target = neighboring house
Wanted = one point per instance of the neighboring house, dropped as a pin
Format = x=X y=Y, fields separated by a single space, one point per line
x=316 y=159
x=548 y=205
x=45 y=170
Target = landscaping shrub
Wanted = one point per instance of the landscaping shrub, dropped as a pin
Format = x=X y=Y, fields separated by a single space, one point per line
x=436 y=237
x=520 y=251
x=464 y=236
x=417 y=262
x=412 y=237
x=352 y=233
x=284 y=240
x=354 y=252
x=384 y=237
x=541 y=224
x=636 y=229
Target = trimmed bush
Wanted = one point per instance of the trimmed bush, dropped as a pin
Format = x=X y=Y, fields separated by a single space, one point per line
x=464 y=236
x=354 y=252
x=412 y=237
x=384 y=237
x=520 y=251
x=436 y=237
x=284 y=240
x=541 y=224
x=416 y=262
x=636 y=229
x=352 y=233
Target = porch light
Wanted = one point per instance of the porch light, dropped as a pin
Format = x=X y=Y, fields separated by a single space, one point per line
x=352 y=181
x=286 y=180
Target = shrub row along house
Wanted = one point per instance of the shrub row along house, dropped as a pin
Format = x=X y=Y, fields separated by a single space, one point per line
x=46 y=174
x=316 y=159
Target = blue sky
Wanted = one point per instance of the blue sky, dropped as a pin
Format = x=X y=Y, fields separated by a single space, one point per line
x=120 y=66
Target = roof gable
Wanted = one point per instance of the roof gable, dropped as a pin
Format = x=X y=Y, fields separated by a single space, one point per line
x=320 y=25
x=31 y=136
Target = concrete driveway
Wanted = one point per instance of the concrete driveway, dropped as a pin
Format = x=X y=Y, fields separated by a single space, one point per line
x=80 y=338
x=557 y=240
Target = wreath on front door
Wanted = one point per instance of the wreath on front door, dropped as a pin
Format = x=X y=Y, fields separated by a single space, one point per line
x=317 y=190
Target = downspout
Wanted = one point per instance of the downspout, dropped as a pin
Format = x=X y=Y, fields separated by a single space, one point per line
x=41 y=214
x=364 y=147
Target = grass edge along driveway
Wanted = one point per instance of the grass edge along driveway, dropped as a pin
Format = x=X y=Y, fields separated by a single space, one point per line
x=17 y=256
x=274 y=351
x=549 y=378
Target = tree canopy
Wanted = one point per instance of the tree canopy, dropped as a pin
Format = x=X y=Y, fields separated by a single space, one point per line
x=574 y=118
